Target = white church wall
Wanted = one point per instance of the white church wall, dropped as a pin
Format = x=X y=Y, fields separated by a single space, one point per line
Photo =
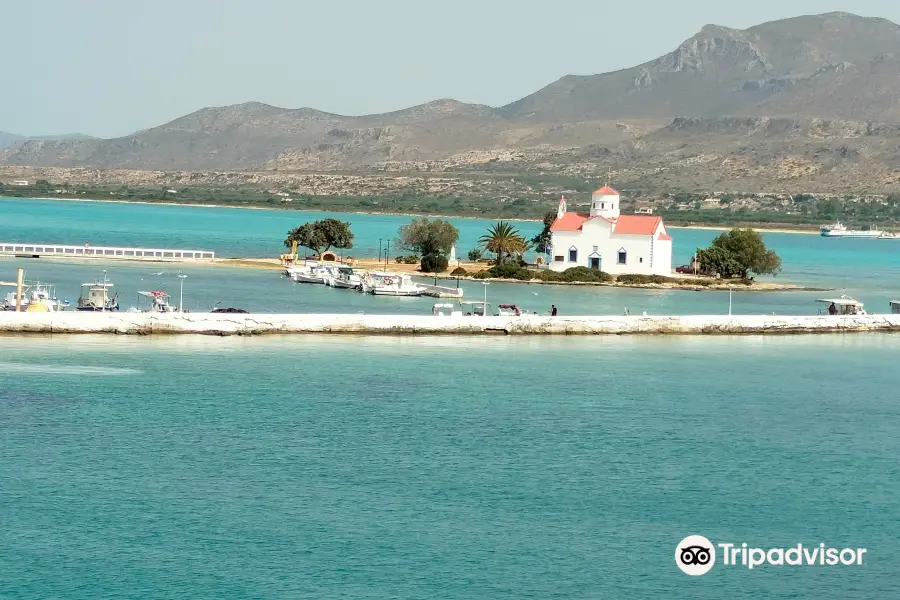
x=638 y=259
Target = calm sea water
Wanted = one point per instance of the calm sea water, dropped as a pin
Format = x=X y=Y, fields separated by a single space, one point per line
x=866 y=269
x=458 y=468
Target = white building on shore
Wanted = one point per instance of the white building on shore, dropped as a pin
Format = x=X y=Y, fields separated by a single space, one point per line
x=608 y=241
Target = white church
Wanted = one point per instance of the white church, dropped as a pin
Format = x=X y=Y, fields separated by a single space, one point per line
x=608 y=241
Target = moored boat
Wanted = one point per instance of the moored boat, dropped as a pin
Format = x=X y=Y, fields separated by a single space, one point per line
x=157 y=301
x=36 y=297
x=313 y=274
x=95 y=296
x=346 y=278
x=843 y=306
x=391 y=284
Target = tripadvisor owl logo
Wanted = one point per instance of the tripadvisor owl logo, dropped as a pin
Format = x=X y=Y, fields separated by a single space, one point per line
x=695 y=555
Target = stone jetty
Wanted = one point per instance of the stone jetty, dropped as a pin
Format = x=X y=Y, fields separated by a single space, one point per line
x=256 y=324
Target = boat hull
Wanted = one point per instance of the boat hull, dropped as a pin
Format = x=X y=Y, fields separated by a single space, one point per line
x=97 y=309
x=350 y=285
x=853 y=234
x=390 y=292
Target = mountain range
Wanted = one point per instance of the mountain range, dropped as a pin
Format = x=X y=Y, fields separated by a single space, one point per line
x=811 y=100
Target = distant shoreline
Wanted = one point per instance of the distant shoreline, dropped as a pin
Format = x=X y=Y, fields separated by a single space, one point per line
x=758 y=228
x=810 y=229
x=282 y=209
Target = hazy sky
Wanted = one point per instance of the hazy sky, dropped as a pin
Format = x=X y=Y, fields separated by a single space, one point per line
x=111 y=67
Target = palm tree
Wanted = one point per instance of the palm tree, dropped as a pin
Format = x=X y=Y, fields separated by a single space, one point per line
x=502 y=238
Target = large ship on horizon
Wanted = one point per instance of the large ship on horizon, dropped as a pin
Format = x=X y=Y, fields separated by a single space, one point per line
x=838 y=230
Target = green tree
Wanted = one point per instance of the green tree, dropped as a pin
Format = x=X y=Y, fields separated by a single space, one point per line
x=433 y=263
x=718 y=260
x=740 y=252
x=502 y=238
x=542 y=241
x=428 y=237
x=320 y=236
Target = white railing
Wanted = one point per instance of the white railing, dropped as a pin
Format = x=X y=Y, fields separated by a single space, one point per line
x=104 y=251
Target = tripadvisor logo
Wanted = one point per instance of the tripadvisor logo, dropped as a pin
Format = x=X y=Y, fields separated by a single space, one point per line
x=696 y=555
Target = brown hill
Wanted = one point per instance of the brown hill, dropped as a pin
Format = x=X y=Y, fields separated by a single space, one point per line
x=769 y=70
x=820 y=92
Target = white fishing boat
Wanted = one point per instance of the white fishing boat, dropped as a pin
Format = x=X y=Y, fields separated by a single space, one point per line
x=36 y=297
x=313 y=274
x=839 y=230
x=391 y=284
x=292 y=271
x=95 y=296
x=344 y=277
x=843 y=306
x=885 y=235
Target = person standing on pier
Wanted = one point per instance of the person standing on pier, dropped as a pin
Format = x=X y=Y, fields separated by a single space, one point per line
x=552 y=310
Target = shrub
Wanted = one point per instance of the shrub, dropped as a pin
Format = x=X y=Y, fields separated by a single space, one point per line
x=475 y=254
x=576 y=275
x=410 y=259
x=434 y=263
x=486 y=274
x=509 y=270
x=458 y=271
x=643 y=279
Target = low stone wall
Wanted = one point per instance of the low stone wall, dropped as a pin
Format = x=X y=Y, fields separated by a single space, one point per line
x=253 y=324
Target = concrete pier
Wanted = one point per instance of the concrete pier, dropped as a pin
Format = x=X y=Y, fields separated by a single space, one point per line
x=88 y=251
x=438 y=291
x=254 y=324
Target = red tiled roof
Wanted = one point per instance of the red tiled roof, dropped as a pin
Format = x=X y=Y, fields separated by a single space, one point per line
x=570 y=221
x=665 y=237
x=606 y=191
x=637 y=224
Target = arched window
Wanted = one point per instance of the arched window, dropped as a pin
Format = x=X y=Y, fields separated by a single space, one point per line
x=621 y=257
x=573 y=254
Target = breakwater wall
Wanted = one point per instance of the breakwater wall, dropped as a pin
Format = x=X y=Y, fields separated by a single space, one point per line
x=113 y=252
x=256 y=324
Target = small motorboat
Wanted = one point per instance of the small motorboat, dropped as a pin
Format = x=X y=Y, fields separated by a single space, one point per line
x=157 y=301
x=346 y=278
x=391 y=284
x=843 y=306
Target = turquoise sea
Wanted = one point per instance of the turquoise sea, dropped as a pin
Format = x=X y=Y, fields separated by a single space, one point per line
x=445 y=467
x=458 y=468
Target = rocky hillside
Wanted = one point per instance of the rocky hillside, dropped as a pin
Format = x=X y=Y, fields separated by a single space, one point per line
x=8 y=139
x=812 y=99
x=832 y=65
